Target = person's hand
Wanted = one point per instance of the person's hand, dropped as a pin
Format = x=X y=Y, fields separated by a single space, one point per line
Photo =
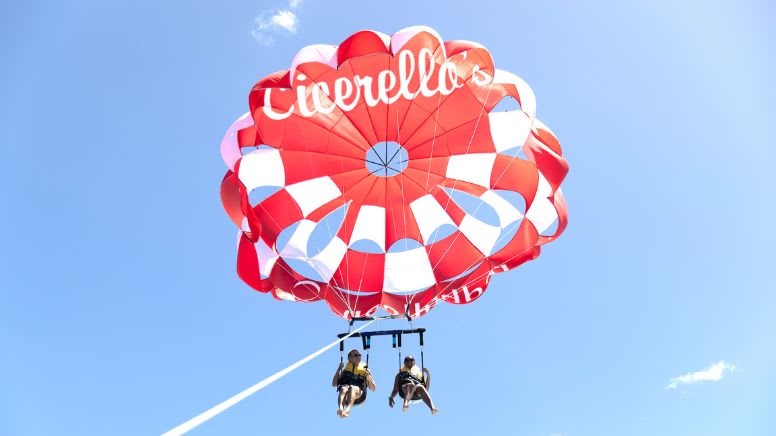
x=425 y=371
x=339 y=368
x=390 y=401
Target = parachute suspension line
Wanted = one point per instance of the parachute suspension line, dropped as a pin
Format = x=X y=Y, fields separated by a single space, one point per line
x=419 y=127
x=367 y=345
x=342 y=343
x=398 y=137
x=404 y=216
x=210 y=413
x=398 y=134
x=310 y=162
x=331 y=237
x=501 y=237
x=369 y=342
x=407 y=296
x=400 y=361
x=422 y=364
x=344 y=300
x=433 y=141
x=393 y=343
x=363 y=267
x=385 y=164
x=428 y=176
x=385 y=142
x=468 y=147
x=434 y=300
x=345 y=215
x=398 y=140
x=361 y=277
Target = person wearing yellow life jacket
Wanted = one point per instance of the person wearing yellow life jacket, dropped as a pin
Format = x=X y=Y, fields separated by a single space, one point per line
x=411 y=384
x=351 y=381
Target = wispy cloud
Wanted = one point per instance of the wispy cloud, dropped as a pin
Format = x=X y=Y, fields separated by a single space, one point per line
x=712 y=373
x=273 y=22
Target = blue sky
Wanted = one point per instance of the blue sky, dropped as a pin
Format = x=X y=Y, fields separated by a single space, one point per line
x=120 y=312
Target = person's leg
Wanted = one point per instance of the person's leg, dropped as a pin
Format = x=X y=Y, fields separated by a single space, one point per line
x=409 y=392
x=343 y=390
x=426 y=397
x=353 y=394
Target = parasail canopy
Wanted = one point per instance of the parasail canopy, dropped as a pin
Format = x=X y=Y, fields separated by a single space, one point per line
x=390 y=172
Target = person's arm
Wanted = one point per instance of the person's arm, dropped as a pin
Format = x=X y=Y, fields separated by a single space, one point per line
x=337 y=374
x=427 y=378
x=395 y=390
x=370 y=381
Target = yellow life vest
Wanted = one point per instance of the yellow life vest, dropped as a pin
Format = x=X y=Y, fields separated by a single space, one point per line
x=359 y=371
x=414 y=371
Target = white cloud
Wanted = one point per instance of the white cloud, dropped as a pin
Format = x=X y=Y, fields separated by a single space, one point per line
x=273 y=22
x=712 y=373
x=286 y=20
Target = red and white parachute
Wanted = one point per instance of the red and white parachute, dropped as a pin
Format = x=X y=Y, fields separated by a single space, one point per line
x=401 y=136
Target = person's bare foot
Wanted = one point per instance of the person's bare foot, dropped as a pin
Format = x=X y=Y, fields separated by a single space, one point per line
x=345 y=413
x=434 y=411
x=405 y=407
x=339 y=412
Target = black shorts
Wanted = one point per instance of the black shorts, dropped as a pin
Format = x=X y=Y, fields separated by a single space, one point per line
x=415 y=397
x=406 y=379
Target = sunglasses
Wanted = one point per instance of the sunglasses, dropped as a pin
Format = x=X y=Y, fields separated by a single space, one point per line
x=355 y=355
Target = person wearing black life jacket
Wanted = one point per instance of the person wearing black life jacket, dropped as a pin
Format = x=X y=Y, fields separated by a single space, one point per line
x=412 y=385
x=351 y=381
